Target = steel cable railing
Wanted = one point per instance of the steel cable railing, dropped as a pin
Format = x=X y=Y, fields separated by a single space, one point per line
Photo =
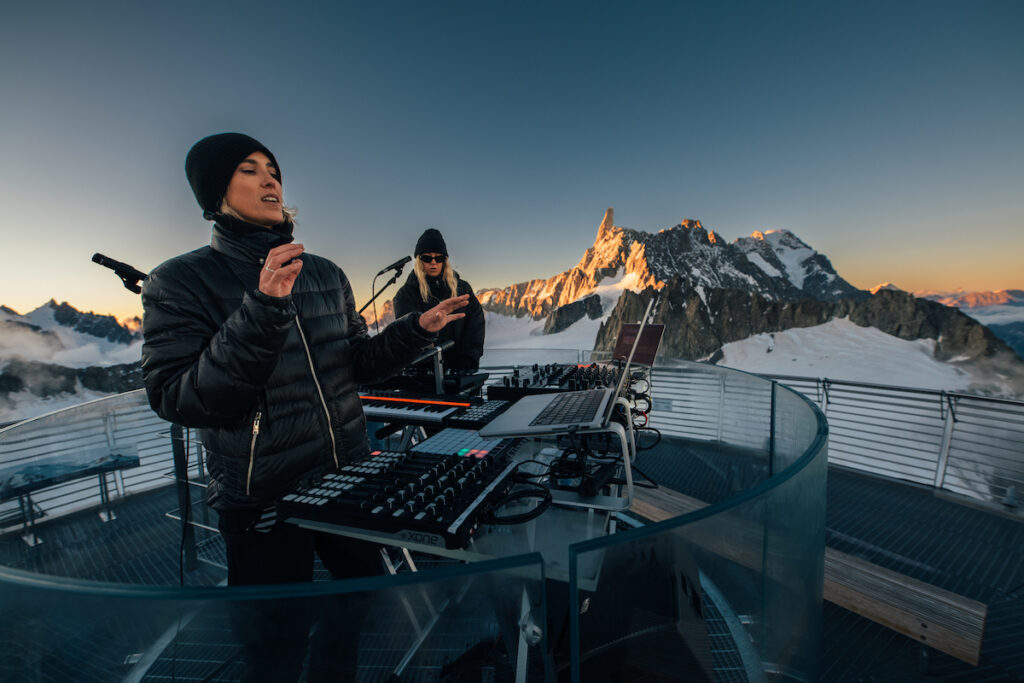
x=969 y=445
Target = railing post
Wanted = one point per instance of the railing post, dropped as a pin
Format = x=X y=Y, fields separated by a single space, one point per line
x=721 y=405
x=946 y=401
x=109 y=425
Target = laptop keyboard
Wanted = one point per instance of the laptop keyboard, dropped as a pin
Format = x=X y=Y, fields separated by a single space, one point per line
x=570 y=408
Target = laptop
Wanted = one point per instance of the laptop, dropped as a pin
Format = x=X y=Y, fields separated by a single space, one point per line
x=646 y=348
x=559 y=413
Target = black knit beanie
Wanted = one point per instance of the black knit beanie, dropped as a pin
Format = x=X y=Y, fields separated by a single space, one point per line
x=212 y=161
x=431 y=242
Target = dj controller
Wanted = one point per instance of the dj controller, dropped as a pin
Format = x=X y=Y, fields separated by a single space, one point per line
x=444 y=487
x=432 y=495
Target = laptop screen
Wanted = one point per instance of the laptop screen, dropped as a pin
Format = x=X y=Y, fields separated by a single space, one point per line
x=648 y=346
x=623 y=381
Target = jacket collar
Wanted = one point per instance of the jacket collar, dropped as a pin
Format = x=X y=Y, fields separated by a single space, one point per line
x=247 y=242
x=437 y=286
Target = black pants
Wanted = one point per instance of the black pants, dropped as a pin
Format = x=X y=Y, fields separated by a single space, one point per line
x=274 y=633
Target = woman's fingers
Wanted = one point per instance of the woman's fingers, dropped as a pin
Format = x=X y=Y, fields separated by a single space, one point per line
x=279 y=256
x=454 y=303
x=440 y=315
x=280 y=269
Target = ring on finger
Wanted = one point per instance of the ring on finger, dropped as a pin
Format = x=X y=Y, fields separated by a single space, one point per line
x=270 y=270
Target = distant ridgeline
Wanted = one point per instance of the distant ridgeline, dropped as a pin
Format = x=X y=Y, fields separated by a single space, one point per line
x=1009 y=328
x=29 y=342
x=713 y=293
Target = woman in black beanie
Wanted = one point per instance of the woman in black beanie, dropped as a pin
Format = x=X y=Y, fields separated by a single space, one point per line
x=433 y=280
x=258 y=345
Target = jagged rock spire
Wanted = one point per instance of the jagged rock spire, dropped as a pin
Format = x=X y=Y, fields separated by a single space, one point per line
x=776 y=265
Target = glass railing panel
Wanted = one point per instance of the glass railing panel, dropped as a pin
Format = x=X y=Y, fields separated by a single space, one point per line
x=795 y=425
x=470 y=620
x=71 y=459
x=754 y=561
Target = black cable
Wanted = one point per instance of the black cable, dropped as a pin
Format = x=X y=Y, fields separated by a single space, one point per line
x=186 y=516
x=656 y=441
x=636 y=470
x=564 y=467
x=538 y=475
x=534 y=490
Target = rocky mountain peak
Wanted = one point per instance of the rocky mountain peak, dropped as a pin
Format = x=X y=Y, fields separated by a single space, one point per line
x=775 y=265
x=88 y=323
x=884 y=286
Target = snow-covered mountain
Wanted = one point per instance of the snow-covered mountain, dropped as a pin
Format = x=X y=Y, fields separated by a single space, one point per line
x=712 y=295
x=776 y=265
x=971 y=300
x=1002 y=311
x=57 y=356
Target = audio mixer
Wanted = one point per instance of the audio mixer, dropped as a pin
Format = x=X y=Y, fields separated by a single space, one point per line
x=553 y=377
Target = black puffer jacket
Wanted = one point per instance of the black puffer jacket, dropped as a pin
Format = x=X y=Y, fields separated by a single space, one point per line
x=467 y=333
x=271 y=382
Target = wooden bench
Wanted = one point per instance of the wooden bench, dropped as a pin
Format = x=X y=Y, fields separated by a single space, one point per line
x=931 y=615
x=22 y=479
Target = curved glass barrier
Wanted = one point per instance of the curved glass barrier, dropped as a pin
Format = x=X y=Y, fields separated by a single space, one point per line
x=411 y=625
x=91 y=566
x=757 y=555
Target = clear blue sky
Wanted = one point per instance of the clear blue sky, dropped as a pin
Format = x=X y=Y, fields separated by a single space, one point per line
x=887 y=135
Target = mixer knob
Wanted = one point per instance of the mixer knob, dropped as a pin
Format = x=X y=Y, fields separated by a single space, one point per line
x=410 y=506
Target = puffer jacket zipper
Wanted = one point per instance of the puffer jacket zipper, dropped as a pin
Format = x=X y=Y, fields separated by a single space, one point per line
x=323 y=401
x=252 y=451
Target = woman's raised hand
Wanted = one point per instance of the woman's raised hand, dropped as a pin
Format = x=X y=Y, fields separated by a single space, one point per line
x=276 y=278
x=441 y=314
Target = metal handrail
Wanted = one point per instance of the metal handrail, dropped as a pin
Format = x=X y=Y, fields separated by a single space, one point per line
x=962 y=443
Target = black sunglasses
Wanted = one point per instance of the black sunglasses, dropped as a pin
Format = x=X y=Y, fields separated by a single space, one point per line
x=427 y=258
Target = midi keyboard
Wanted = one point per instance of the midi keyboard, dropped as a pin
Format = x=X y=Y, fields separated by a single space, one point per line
x=430 y=499
x=450 y=411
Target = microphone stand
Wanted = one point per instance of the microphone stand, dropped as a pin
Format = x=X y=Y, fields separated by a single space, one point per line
x=394 y=278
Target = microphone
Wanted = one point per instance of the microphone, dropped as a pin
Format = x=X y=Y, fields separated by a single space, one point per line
x=397 y=264
x=129 y=275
